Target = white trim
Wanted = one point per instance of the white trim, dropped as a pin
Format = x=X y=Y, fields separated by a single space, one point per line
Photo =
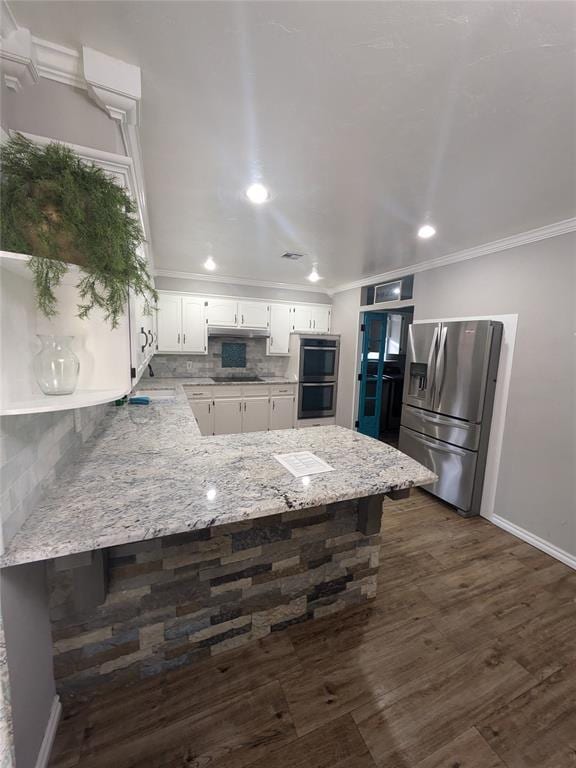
x=535 y=541
x=49 y=734
x=238 y=281
x=58 y=63
x=7 y=20
x=522 y=238
x=234 y=297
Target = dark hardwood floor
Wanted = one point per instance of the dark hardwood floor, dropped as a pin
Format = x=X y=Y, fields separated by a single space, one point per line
x=466 y=659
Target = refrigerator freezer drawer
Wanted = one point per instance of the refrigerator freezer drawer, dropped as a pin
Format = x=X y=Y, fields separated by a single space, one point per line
x=455 y=467
x=460 y=433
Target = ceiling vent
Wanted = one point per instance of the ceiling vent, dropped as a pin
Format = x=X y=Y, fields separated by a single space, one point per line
x=292 y=256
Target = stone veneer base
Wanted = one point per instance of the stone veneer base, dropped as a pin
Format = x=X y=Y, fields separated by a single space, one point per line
x=179 y=599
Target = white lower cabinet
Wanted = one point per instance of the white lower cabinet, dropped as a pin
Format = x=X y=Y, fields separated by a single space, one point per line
x=227 y=416
x=281 y=412
x=255 y=414
x=203 y=411
x=226 y=410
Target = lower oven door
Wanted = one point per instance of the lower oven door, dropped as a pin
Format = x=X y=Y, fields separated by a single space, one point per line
x=316 y=399
x=455 y=467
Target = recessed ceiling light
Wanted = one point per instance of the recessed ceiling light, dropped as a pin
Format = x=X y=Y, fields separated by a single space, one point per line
x=314 y=276
x=210 y=264
x=257 y=193
x=426 y=231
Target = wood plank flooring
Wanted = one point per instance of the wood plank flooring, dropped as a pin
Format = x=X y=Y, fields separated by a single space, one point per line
x=466 y=659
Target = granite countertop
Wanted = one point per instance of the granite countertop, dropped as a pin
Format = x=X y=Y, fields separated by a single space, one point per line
x=199 y=381
x=147 y=472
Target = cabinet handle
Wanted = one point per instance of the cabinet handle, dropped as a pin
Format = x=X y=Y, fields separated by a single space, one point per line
x=151 y=338
x=244 y=407
x=242 y=319
x=235 y=319
x=184 y=339
x=273 y=405
x=146 y=337
x=240 y=407
x=178 y=338
x=208 y=407
x=271 y=341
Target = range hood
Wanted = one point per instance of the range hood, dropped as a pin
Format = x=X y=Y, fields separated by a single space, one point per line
x=246 y=333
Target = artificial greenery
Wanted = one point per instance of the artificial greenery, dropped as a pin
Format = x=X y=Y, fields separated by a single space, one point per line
x=63 y=211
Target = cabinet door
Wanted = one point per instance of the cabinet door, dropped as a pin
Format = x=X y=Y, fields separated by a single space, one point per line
x=169 y=323
x=222 y=312
x=203 y=411
x=255 y=414
x=194 y=330
x=253 y=314
x=321 y=319
x=282 y=413
x=227 y=416
x=279 y=341
x=301 y=318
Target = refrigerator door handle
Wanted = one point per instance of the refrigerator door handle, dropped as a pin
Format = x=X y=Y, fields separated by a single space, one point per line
x=440 y=372
x=431 y=382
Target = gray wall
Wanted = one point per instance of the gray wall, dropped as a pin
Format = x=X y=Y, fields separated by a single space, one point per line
x=346 y=322
x=23 y=597
x=34 y=447
x=537 y=480
x=536 y=488
x=60 y=112
x=231 y=289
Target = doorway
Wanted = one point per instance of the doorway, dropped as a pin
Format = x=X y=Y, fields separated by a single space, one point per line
x=382 y=373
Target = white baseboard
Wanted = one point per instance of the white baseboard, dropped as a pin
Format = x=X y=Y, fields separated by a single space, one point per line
x=535 y=541
x=49 y=734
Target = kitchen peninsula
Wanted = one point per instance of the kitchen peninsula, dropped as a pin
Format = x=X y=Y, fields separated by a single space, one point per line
x=165 y=546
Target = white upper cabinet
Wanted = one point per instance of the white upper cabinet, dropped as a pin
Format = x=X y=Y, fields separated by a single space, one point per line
x=169 y=322
x=194 y=330
x=253 y=314
x=222 y=312
x=302 y=318
x=279 y=341
x=321 y=318
x=310 y=317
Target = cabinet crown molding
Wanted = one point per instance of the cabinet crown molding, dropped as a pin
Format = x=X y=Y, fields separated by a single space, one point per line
x=115 y=85
x=18 y=59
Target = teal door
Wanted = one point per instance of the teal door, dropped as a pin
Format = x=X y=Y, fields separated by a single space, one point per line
x=371 y=372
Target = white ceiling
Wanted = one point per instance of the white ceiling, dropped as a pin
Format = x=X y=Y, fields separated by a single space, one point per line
x=361 y=117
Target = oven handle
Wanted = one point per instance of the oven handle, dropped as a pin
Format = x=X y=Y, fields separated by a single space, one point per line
x=318 y=384
x=323 y=349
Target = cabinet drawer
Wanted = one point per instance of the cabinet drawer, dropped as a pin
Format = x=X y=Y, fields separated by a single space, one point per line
x=283 y=389
x=227 y=390
x=198 y=393
x=256 y=390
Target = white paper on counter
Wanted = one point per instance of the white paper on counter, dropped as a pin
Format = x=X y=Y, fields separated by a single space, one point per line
x=303 y=463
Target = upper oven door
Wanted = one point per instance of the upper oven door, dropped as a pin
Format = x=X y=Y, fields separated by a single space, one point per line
x=318 y=363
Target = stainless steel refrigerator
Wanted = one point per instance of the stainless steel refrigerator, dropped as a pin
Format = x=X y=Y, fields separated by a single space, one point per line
x=448 y=399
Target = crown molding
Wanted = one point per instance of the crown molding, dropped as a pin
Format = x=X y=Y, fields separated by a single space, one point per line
x=8 y=23
x=239 y=281
x=523 y=238
x=115 y=85
x=59 y=63
x=18 y=59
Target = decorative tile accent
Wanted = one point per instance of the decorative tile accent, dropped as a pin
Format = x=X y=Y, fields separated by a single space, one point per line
x=296 y=570
x=233 y=354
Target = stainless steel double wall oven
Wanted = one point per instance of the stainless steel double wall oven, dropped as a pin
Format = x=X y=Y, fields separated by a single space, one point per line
x=318 y=376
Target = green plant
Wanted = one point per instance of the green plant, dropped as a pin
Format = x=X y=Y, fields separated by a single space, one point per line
x=62 y=210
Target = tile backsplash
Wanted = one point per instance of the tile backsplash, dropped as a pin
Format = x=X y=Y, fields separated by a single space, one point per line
x=33 y=450
x=258 y=363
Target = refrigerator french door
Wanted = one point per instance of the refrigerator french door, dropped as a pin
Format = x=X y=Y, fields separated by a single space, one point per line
x=448 y=399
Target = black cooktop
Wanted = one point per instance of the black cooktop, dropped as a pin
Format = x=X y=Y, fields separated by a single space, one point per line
x=235 y=379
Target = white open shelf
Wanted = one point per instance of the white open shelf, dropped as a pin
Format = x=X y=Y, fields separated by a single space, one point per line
x=104 y=353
